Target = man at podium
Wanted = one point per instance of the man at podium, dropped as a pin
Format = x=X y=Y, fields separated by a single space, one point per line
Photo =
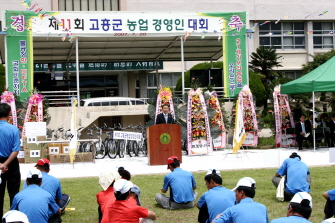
x=165 y=117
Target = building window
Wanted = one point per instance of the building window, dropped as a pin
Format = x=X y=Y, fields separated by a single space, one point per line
x=323 y=35
x=293 y=74
x=284 y=35
x=151 y=80
x=110 y=121
x=88 y=5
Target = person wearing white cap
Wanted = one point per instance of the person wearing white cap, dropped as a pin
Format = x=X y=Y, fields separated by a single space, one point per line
x=52 y=185
x=297 y=174
x=299 y=210
x=216 y=200
x=35 y=202
x=329 y=220
x=246 y=210
x=123 y=211
x=15 y=217
x=106 y=197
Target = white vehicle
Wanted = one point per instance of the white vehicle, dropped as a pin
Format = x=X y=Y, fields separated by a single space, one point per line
x=111 y=101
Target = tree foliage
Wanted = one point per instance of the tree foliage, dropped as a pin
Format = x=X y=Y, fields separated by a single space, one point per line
x=257 y=88
x=317 y=61
x=262 y=62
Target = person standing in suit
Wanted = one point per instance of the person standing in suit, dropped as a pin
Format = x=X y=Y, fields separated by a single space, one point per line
x=326 y=126
x=301 y=131
x=309 y=126
x=165 y=117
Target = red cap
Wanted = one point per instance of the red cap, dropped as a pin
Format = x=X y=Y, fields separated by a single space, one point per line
x=42 y=161
x=171 y=160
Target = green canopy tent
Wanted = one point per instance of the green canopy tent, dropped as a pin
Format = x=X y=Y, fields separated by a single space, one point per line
x=321 y=79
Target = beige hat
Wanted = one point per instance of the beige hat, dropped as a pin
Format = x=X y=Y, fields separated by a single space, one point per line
x=107 y=178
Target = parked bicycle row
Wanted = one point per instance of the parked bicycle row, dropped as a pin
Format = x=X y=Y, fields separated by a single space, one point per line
x=117 y=142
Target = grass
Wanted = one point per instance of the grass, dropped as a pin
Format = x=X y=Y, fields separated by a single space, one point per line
x=83 y=190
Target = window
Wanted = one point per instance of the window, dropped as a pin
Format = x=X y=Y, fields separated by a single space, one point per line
x=88 y=5
x=284 y=35
x=110 y=121
x=293 y=74
x=323 y=35
x=152 y=80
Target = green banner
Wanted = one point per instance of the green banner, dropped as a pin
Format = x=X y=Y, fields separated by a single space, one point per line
x=19 y=69
x=133 y=65
x=234 y=47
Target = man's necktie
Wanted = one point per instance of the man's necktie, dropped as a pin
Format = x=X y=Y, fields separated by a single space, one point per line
x=166 y=118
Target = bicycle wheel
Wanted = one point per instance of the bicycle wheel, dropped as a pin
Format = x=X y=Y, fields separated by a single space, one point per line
x=144 y=147
x=122 y=148
x=135 y=148
x=111 y=149
x=129 y=148
x=86 y=147
x=100 y=151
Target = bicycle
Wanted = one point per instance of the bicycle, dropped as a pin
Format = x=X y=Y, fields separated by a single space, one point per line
x=58 y=131
x=142 y=144
x=87 y=146
x=100 y=149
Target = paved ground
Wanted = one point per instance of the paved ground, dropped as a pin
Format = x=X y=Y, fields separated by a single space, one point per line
x=218 y=160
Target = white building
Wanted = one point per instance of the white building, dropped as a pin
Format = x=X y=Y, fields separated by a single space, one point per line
x=305 y=28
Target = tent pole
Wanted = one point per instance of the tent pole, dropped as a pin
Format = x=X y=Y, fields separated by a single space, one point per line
x=77 y=72
x=313 y=122
x=182 y=67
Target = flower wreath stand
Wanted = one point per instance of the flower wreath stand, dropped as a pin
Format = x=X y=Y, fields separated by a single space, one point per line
x=198 y=132
x=284 y=119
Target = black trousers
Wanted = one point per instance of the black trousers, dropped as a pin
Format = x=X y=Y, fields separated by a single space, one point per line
x=13 y=179
x=329 y=209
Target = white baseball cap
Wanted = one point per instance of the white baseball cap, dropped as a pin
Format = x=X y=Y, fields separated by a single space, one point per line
x=298 y=197
x=329 y=220
x=15 y=216
x=217 y=172
x=245 y=182
x=33 y=172
x=123 y=186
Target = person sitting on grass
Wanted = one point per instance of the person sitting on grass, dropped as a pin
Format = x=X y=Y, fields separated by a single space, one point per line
x=329 y=209
x=123 y=211
x=36 y=202
x=106 y=197
x=246 y=210
x=297 y=174
x=51 y=184
x=299 y=210
x=124 y=173
x=216 y=200
x=182 y=185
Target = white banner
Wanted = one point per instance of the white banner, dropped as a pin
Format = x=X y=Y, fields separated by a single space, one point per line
x=127 y=135
x=128 y=24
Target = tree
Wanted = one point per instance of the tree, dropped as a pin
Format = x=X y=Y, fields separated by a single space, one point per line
x=257 y=88
x=263 y=61
x=317 y=61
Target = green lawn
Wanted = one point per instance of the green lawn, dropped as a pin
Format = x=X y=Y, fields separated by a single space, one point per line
x=83 y=191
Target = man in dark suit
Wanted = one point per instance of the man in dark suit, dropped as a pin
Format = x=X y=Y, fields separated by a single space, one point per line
x=332 y=130
x=165 y=117
x=309 y=126
x=326 y=125
x=301 y=131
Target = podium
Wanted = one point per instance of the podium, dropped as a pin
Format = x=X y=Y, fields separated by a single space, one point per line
x=164 y=140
